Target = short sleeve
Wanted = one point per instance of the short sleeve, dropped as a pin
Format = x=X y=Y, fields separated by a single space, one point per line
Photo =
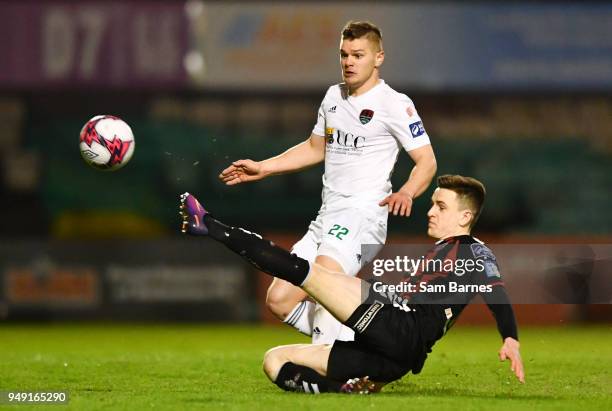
x=319 y=128
x=405 y=124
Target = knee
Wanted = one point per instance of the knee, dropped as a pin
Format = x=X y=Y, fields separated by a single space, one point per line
x=273 y=362
x=278 y=302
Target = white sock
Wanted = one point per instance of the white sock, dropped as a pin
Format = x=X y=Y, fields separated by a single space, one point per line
x=326 y=329
x=301 y=317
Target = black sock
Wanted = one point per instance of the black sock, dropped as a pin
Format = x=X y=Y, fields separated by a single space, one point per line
x=261 y=253
x=293 y=377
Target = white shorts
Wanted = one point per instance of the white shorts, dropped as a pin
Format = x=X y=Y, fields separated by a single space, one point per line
x=339 y=234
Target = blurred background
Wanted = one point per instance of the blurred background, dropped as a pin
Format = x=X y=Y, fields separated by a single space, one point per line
x=517 y=94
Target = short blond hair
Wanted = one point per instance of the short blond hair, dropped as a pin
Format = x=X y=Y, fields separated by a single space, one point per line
x=358 y=29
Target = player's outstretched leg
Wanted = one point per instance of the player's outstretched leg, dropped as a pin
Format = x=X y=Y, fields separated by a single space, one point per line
x=338 y=293
x=263 y=254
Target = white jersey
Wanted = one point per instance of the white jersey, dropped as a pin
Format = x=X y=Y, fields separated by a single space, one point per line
x=363 y=136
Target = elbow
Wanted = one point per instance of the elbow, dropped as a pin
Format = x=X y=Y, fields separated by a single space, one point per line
x=321 y=155
x=432 y=166
x=317 y=149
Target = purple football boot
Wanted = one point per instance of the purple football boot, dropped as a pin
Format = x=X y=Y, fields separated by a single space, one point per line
x=193 y=215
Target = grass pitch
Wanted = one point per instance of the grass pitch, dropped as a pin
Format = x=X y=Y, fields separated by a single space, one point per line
x=133 y=367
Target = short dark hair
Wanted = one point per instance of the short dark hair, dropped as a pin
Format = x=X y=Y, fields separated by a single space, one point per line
x=358 y=29
x=470 y=192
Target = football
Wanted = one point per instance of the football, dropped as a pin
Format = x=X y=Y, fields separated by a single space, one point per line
x=106 y=143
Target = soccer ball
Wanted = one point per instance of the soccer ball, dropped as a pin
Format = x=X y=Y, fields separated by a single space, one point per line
x=106 y=143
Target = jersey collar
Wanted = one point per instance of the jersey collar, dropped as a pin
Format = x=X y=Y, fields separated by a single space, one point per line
x=377 y=86
x=454 y=238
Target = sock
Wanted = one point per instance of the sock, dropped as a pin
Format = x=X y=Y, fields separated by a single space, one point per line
x=326 y=328
x=262 y=254
x=301 y=317
x=293 y=377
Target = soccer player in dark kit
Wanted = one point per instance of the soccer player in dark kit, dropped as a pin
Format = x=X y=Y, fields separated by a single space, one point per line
x=394 y=332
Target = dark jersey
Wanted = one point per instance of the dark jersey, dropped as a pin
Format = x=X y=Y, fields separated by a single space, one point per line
x=452 y=273
x=395 y=332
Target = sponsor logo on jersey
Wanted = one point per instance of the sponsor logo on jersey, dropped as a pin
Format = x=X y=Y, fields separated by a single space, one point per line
x=417 y=129
x=344 y=139
x=365 y=116
x=332 y=109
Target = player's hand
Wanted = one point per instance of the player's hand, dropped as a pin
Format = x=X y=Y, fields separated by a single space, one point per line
x=510 y=351
x=242 y=171
x=398 y=203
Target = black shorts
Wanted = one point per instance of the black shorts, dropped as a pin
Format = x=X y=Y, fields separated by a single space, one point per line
x=387 y=344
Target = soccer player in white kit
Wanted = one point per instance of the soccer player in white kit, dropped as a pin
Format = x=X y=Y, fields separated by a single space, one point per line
x=362 y=124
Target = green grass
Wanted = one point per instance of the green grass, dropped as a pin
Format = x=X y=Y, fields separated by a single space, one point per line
x=133 y=367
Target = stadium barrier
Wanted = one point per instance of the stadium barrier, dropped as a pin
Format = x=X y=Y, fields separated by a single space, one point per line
x=173 y=279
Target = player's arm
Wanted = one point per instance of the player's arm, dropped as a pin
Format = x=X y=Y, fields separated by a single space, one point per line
x=422 y=173
x=499 y=304
x=299 y=157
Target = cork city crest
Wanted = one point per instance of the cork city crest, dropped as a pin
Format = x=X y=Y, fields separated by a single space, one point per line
x=365 y=116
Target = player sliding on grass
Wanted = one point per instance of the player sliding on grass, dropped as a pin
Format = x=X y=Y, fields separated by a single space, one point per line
x=362 y=124
x=393 y=333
